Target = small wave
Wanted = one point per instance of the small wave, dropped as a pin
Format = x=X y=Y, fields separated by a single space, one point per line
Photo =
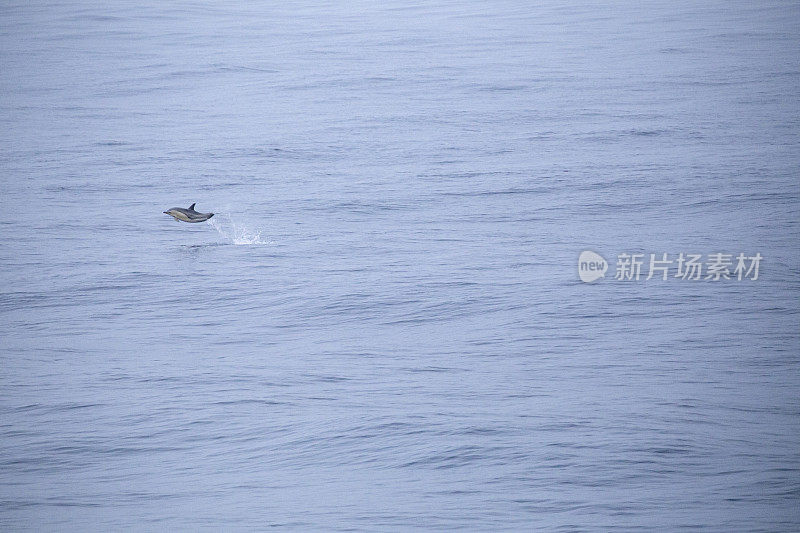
x=234 y=232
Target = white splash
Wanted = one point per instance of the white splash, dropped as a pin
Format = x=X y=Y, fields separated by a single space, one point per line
x=233 y=232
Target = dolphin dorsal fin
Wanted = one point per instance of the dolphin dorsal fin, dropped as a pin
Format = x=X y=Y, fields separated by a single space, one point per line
x=191 y=207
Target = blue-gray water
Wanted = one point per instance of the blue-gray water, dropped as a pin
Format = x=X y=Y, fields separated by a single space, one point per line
x=384 y=329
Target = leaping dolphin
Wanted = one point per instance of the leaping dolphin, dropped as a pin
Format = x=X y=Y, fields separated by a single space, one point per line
x=187 y=215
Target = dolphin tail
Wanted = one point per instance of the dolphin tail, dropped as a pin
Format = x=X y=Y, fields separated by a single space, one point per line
x=210 y=215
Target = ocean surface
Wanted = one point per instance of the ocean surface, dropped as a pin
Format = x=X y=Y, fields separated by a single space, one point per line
x=383 y=326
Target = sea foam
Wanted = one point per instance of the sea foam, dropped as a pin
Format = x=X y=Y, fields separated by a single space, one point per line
x=234 y=232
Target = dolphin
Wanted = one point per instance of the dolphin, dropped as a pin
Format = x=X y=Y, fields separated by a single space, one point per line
x=187 y=215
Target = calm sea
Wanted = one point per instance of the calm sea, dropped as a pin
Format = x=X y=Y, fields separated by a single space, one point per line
x=383 y=328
